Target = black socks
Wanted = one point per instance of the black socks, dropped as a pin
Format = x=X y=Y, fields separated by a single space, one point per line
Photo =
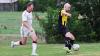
x=69 y=43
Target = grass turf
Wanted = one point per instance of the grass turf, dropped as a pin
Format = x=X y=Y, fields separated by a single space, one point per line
x=88 y=49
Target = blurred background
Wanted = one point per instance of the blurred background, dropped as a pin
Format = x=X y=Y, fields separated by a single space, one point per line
x=85 y=29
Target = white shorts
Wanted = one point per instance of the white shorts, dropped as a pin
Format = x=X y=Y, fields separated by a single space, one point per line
x=25 y=32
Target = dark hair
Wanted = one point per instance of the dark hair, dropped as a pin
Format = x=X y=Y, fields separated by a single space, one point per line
x=29 y=4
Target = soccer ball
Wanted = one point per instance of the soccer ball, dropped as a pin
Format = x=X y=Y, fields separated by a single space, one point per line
x=76 y=47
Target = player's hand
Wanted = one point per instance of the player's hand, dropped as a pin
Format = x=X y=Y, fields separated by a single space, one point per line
x=68 y=14
x=31 y=29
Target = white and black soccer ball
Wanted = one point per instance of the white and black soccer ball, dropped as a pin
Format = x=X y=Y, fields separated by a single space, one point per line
x=76 y=47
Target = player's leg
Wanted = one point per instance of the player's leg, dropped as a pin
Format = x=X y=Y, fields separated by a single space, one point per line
x=67 y=45
x=64 y=31
x=71 y=39
x=34 y=43
x=23 y=39
x=67 y=42
x=67 y=39
x=70 y=35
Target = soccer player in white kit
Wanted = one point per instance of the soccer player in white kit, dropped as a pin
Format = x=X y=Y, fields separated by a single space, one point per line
x=27 y=29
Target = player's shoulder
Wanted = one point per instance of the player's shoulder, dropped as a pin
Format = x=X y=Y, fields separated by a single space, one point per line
x=62 y=10
x=24 y=12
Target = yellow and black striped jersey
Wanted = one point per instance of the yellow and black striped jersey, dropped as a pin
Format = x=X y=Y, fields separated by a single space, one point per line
x=63 y=19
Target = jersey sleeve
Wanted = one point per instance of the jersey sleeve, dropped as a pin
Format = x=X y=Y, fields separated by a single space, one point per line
x=24 y=17
x=62 y=12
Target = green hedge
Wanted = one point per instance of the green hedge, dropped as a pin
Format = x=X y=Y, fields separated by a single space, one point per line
x=40 y=5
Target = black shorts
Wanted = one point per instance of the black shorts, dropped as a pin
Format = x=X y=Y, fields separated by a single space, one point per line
x=63 y=29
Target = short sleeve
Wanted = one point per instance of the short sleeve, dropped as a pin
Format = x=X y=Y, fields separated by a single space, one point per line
x=24 y=17
x=62 y=12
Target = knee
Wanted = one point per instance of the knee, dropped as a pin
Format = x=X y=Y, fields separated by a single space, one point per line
x=22 y=43
x=34 y=42
x=70 y=35
x=34 y=38
x=73 y=38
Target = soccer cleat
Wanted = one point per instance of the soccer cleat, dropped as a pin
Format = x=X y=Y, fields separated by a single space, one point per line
x=12 y=44
x=67 y=50
x=34 y=54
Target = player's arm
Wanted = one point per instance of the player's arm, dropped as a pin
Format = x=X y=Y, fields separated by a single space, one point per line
x=25 y=24
x=65 y=13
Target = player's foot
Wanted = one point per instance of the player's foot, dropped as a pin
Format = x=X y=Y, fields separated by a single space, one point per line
x=12 y=44
x=34 y=54
x=67 y=50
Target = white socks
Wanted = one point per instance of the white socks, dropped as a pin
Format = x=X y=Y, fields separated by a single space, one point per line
x=34 y=47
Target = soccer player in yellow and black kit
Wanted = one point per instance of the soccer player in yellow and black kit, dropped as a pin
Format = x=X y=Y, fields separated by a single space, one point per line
x=63 y=21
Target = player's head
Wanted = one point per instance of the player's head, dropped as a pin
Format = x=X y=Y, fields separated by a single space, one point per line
x=30 y=6
x=67 y=6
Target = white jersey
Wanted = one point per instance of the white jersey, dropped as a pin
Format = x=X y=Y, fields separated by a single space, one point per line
x=26 y=16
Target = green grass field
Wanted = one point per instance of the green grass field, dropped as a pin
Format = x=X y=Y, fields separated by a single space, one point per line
x=86 y=49
x=90 y=49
